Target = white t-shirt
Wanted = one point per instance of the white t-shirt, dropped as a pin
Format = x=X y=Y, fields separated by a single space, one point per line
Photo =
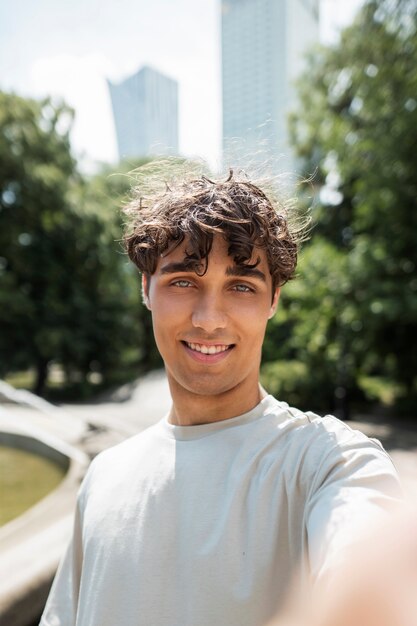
x=208 y=525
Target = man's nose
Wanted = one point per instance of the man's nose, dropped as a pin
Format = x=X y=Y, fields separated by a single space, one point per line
x=209 y=314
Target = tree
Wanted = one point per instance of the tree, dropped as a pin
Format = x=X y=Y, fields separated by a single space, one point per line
x=66 y=291
x=355 y=126
x=105 y=194
x=304 y=356
x=35 y=169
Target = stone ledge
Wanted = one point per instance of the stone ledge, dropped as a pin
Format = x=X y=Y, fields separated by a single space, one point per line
x=32 y=544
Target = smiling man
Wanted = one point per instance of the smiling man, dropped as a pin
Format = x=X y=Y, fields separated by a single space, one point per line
x=209 y=330
x=209 y=516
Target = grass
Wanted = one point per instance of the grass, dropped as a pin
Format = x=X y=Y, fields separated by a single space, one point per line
x=21 y=380
x=25 y=478
x=381 y=389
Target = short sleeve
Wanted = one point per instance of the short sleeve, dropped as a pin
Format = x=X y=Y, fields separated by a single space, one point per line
x=62 y=603
x=356 y=486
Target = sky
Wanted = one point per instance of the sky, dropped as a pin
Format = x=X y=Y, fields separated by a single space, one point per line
x=68 y=48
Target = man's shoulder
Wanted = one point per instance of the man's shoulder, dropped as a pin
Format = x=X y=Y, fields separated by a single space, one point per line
x=309 y=424
x=323 y=440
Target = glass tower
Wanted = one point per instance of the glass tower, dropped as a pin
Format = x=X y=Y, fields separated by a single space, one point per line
x=263 y=42
x=145 y=111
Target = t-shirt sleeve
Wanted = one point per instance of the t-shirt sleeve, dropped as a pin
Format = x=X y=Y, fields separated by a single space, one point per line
x=62 y=603
x=354 y=488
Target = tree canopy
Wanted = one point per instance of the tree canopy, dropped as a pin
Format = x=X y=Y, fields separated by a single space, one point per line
x=67 y=293
x=355 y=130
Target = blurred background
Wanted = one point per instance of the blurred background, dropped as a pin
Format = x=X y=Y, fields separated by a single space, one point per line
x=325 y=90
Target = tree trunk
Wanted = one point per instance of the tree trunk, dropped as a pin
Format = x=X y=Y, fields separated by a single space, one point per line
x=41 y=376
x=149 y=359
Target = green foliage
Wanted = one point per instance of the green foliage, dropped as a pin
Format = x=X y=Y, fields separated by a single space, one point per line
x=353 y=315
x=286 y=380
x=105 y=193
x=309 y=329
x=35 y=169
x=67 y=292
x=383 y=390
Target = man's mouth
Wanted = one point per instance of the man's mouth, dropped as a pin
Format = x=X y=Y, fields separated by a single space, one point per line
x=204 y=349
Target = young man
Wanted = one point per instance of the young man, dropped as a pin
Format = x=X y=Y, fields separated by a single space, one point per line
x=208 y=517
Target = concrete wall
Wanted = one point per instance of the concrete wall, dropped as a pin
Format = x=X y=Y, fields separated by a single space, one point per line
x=37 y=446
x=32 y=544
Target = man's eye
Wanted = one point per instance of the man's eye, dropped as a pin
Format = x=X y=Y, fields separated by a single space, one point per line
x=243 y=288
x=181 y=283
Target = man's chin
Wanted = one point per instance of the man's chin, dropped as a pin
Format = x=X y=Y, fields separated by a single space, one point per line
x=207 y=385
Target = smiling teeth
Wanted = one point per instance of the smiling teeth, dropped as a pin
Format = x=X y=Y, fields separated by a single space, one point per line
x=207 y=349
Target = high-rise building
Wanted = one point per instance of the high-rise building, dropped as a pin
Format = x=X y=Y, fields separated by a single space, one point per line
x=145 y=111
x=263 y=43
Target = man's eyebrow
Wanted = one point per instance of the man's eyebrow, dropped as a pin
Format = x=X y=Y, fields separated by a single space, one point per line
x=232 y=270
x=242 y=270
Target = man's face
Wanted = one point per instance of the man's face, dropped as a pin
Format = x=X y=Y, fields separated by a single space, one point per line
x=210 y=329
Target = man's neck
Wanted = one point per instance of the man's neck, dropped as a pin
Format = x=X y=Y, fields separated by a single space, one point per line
x=191 y=409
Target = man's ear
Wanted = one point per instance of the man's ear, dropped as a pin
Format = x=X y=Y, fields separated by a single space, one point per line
x=274 y=303
x=145 y=291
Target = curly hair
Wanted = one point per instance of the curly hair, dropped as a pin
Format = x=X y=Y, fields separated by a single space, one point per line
x=198 y=209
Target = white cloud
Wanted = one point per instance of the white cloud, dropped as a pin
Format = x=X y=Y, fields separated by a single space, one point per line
x=81 y=82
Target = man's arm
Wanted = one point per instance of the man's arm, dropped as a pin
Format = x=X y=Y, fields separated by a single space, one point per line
x=358 y=556
x=356 y=488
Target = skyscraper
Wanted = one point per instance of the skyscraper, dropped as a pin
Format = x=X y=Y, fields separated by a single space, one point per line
x=263 y=42
x=145 y=111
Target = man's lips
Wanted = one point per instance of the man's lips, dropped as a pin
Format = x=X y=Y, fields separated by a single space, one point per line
x=208 y=348
x=207 y=353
